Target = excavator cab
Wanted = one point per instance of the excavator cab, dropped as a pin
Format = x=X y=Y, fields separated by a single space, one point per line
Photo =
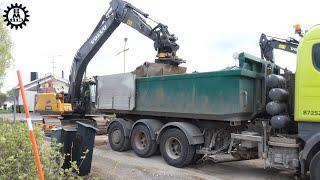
x=87 y=96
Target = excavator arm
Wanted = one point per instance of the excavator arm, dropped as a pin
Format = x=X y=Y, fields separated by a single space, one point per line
x=120 y=12
x=268 y=44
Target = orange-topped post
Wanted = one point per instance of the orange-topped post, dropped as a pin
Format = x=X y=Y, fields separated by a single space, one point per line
x=31 y=133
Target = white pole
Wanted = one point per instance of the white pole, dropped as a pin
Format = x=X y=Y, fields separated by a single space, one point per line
x=14 y=107
x=124 y=54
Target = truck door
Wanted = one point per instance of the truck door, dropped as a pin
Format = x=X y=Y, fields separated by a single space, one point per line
x=307 y=87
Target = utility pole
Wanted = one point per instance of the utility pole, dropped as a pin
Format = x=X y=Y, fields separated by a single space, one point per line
x=124 y=54
x=53 y=63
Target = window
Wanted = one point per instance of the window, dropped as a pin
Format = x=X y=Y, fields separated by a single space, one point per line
x=316 y=56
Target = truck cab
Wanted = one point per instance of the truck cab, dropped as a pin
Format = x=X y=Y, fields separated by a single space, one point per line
x=307 y=98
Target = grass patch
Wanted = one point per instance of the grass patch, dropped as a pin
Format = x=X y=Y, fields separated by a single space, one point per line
x=2 y=111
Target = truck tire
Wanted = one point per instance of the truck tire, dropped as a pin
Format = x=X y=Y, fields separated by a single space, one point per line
x=175 y=149
x=314 y=167
x=118 y=141
x=141 y=141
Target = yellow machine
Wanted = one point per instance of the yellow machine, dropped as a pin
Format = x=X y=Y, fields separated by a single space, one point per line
x=51 y=103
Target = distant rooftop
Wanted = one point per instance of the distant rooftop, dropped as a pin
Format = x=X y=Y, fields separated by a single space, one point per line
x=43 y=80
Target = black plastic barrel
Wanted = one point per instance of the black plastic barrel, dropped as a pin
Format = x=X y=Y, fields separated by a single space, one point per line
x=85 y=136
x=56 y=134
x=68 y=139
x=77 y=140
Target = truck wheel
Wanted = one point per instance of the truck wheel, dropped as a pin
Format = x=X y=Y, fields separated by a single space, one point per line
x=117 y=140
x=175 y=148
x=314 y=167
x=141 y=141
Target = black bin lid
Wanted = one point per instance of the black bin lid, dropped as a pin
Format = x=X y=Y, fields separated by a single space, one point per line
x=87 y=125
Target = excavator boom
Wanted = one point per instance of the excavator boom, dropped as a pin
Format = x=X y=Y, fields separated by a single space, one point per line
x=268 y=44
x=120 y=12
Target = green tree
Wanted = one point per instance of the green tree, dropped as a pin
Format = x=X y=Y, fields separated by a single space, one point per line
x=3 y=98
x=5 y=50
x=11 y=92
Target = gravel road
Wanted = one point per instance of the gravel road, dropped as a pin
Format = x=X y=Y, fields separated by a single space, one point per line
x=109 y=164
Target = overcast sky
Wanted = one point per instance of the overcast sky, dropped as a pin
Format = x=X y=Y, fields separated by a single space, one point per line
x=209 y=32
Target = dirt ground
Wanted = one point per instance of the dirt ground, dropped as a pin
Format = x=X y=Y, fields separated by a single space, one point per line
x=108 y=164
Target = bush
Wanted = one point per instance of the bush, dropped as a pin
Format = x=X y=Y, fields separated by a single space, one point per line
x=17 y=160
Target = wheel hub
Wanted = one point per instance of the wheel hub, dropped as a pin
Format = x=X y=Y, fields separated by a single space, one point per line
x=140 y=140
x=173 y=148
x=116 y=136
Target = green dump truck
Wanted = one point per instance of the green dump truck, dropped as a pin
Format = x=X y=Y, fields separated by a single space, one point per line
x=248 y=112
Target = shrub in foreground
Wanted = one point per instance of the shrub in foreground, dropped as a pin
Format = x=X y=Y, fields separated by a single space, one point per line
x=17 y=160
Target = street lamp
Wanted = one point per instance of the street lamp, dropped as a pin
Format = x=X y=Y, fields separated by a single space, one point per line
x=124 y=54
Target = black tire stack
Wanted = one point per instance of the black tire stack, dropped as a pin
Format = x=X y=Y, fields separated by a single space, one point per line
x=277 y=107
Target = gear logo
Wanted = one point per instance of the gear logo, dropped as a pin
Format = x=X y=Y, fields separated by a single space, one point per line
x=16 y=16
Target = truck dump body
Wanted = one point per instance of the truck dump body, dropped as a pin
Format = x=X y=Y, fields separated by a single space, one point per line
x=214 y=95
x=226 y=95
